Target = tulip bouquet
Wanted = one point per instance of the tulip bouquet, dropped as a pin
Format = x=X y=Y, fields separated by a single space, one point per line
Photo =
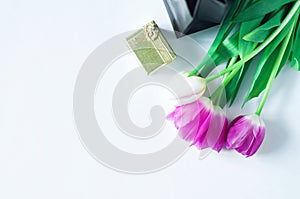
x=269 y=29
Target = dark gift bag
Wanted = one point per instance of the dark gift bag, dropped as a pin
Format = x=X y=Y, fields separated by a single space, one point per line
x=189 y=16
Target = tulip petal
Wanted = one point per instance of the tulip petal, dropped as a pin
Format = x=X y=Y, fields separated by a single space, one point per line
x=201 y=123
x=222 y=137
x=187 y=113
x=189 y=131
x=216 y=133
x=258 y=141
x=245 y=145
x=187 y=88
x=246 y=134
x=236 y=136
x=204 y=122
x=171 y=116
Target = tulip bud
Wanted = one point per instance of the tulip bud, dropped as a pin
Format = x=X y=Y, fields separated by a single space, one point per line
x=188 y=89
x=215 y=135
x=202 y=123
x=246 y=134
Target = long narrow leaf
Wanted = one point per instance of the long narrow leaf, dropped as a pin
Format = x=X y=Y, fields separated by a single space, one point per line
x=246 y=46
x=266 y=63
x=262 y=32
x=226 y=27
x=295 y=59
x=233 y=86
x=260 y=8
x=262 y=75
x=228 y=49
x=287 y=52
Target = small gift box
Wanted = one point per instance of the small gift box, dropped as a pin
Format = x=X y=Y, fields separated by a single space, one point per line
x=151 y=47
x=189 y=16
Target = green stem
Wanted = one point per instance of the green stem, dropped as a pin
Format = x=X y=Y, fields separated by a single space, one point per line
x=216 y=96
x=212 y=50
x=229 y=77
x=239 y=64
x=219 y=91
x=221 y=73
x=275 y=70
x=231 y=62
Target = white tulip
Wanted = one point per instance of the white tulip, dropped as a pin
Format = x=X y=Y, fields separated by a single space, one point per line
x=187 y=89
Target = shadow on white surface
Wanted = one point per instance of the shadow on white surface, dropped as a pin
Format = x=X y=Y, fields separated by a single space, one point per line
x=276 y=137
x=276 y=118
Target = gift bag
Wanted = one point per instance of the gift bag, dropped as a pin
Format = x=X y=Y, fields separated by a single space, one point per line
x=189 y=16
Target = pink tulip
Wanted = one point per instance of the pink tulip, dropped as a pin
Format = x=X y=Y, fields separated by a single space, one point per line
x=215 y=135
x=201 y=123
x=245 y=135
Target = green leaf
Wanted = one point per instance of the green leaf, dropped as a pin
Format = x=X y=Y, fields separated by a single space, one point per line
x=266 y=64
x=295 y=64
x=287 y=52
x=245 y=46
x=226 y=26
x=295 y=59
x=207 y=64
x=262 y=75
x=228 y=49
x=233 y=86
x=271 y=47
x=262 y=32
x=231 y=45
x=259 y=9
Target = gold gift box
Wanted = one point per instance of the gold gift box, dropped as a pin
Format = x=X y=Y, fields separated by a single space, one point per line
x=151 y=47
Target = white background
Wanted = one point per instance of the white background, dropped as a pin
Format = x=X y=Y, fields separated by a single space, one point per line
x=42 y=47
